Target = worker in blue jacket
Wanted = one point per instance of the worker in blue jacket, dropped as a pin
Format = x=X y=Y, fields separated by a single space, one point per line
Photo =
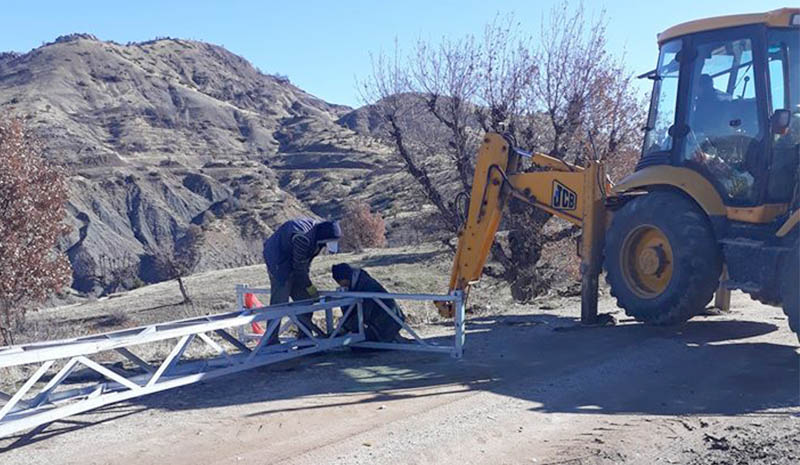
x=288 y=253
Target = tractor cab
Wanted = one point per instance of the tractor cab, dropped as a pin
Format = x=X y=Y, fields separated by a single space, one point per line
x=726 y=104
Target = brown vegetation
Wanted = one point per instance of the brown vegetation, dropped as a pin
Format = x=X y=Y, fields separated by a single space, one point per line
x=361 y=228
x=32 y=209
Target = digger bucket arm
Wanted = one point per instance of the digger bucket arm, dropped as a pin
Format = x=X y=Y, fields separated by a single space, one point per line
x=570 y=192
x=487 y=199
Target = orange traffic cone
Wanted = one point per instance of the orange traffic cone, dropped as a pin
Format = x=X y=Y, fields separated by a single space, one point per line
x=251 y=301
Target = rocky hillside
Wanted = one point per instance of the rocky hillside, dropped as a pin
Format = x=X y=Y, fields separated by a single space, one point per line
x=163 y=134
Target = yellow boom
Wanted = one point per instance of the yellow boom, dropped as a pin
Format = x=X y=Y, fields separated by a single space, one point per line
x=574 y=193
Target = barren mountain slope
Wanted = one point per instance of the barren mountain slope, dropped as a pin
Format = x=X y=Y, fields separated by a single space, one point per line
x=162 y=134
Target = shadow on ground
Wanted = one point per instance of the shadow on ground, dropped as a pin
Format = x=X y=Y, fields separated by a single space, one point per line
x=68 y=425
x=701 y=367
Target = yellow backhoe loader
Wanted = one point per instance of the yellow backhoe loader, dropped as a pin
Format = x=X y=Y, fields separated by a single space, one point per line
x=713 y=204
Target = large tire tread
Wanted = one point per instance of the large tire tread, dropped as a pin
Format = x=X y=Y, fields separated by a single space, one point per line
x=790 y=289
x=696 y=253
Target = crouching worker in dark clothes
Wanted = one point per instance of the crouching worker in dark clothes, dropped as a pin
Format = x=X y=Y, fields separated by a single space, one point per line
x=379 y=326
x=288 y=253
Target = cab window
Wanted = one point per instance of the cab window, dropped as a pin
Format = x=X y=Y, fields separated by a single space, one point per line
x=665 y=96
x=725 y=134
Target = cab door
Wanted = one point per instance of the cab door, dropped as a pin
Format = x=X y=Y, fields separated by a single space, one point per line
x=783 y=69
x=726 y=114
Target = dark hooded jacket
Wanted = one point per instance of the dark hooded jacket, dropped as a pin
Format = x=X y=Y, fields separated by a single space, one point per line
x=290 y=249
x=379 y=326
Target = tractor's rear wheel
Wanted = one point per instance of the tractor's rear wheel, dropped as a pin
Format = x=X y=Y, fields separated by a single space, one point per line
x=790 y=289
x=662 y=260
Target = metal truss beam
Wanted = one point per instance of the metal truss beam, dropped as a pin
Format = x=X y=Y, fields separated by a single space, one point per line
x=51 y=391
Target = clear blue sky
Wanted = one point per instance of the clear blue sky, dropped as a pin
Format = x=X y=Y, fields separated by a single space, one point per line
x=323 y=46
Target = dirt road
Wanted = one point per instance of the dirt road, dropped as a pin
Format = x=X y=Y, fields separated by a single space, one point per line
x=721 y=389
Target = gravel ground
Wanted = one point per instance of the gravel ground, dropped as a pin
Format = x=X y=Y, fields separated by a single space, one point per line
x=531 y=388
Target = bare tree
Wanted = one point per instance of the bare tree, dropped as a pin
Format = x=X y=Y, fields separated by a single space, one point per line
x=33 y=198
x=426 y=127
x=563 y=94
x=581 y=88
x=180 y=261
x=506 y=73
x=446 y=79
x=578 y=102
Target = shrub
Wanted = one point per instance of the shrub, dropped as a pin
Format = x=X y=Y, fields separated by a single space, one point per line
x=33 y=198
x=361 y=228
x=116 y=273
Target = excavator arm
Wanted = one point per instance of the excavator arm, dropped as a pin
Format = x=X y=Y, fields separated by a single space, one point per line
x=573 y=193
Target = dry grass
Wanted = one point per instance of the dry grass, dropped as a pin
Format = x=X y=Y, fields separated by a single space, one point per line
x=422 y=269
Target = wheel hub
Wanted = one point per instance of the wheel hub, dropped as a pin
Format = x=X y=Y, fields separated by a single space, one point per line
x=647 y=261
x=652 y=260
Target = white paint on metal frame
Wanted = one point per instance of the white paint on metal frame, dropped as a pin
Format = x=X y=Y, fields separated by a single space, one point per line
x=50 y=405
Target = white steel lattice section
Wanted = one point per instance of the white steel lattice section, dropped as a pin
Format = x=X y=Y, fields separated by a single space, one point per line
x=51 y=393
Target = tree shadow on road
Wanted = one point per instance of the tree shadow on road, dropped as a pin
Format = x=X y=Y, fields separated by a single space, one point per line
x=701 y=367
x=68 y=425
